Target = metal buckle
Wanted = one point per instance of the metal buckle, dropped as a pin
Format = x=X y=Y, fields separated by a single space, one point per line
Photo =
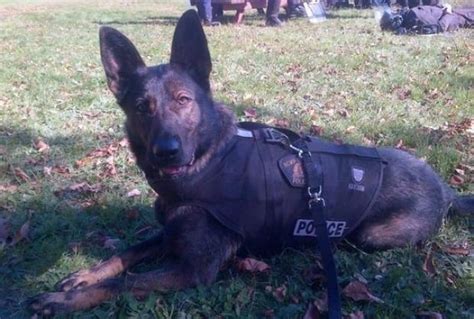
x=274 y=136
x=315 y=196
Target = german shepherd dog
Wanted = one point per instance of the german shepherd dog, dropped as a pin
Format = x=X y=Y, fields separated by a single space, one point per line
x=175 y=131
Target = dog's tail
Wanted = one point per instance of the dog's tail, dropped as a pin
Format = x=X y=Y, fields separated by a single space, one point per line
x=463 y=205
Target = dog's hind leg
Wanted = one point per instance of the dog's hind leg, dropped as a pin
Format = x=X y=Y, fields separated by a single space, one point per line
x=410 y=207
x=400 y=229
x=115 y=265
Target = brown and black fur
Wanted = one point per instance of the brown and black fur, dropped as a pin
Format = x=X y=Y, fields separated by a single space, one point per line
x=175 y=128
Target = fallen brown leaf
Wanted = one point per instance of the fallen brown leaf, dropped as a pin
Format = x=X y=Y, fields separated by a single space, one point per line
x=110 y=169
x=316 y=130
x=252 y=265
x=269 y=313
x=456 y=180
x=280 y=293
x=133 y=193
x=283 y=123
x=312 y=312
x=22 y=233
x=343 y=113
x=402 y=93
x=250 y=113
x=399 y=144
x=357 y=291
x=8 y=188
x=83 y=187
x=456 y=250
x=109 y=243
x=41 y=146
x=355 y=315
x=47 y=170
x=322 y=303
x=123 y=142
x=350 y=129
x=429 y=315
x=428 y=264
x=21 y=174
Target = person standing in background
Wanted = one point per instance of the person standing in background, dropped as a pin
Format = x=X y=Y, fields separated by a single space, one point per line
x=204 y=8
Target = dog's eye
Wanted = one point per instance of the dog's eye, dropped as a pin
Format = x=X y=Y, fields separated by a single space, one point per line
x=143 y=107
x=183 y=99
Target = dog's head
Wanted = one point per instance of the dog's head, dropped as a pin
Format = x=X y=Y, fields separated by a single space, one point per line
x=169 y=106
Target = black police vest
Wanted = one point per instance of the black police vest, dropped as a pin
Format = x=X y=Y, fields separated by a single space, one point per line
x=258 y=190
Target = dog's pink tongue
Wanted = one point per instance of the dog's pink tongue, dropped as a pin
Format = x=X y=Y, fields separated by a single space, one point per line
x=171 y=170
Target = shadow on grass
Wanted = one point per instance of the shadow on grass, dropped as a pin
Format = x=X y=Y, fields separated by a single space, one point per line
x=16 y=137
x=63 y=240
x=165 y=21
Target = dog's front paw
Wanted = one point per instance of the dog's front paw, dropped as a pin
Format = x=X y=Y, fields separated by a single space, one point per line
x=79 y=279
x=49 y=304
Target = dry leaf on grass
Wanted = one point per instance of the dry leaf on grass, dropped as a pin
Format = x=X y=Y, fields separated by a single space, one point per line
x=252 y=265
x=6 y=238
x=110 y=243
x=355 y=315
x=457 y=250
x=41 y=146
x=322 y=303
x=280 y=293
x=456 y=180
x=8 y=188
x=22 y=233
x=316 y=130
x=269 y=313
x=250 y=113
x=429 y=315
x=312 y=312
x=133 y=193
x=81 y=188
x=428 y=264
x=357 y=291
x=283 y=123
x=21 y=174
x=399 y=144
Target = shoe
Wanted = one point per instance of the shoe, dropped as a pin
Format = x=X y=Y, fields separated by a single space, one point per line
x=207 y=23
x=297 y=12
x=273 y=22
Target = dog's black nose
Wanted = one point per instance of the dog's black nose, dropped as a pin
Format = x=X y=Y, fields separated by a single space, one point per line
x=166 y=147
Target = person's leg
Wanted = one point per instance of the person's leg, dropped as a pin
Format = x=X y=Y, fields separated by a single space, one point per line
x=295 y=9
x=273 y=8
x=205 y=12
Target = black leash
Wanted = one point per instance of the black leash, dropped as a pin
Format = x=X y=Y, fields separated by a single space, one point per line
x=316 y=207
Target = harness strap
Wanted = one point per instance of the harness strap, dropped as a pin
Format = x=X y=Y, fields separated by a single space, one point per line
x=316 y=206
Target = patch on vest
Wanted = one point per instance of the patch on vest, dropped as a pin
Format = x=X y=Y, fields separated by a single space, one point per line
x=305 y=227
x=357 y=178
x=292 y=169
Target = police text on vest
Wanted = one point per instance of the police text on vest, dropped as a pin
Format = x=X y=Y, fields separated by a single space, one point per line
x=305 y=227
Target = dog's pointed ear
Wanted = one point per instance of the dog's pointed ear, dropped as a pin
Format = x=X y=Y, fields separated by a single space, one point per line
x=120 y=59
x=189 y=49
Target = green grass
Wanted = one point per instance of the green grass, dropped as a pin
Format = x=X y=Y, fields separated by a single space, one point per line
x=344 y=75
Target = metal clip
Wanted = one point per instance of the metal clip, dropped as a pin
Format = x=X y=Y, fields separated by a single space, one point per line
x=315 y=196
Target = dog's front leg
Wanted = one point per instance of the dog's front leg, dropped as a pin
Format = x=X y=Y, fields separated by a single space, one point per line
x=172 y=277
x=115 y=265
x=197 y=246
